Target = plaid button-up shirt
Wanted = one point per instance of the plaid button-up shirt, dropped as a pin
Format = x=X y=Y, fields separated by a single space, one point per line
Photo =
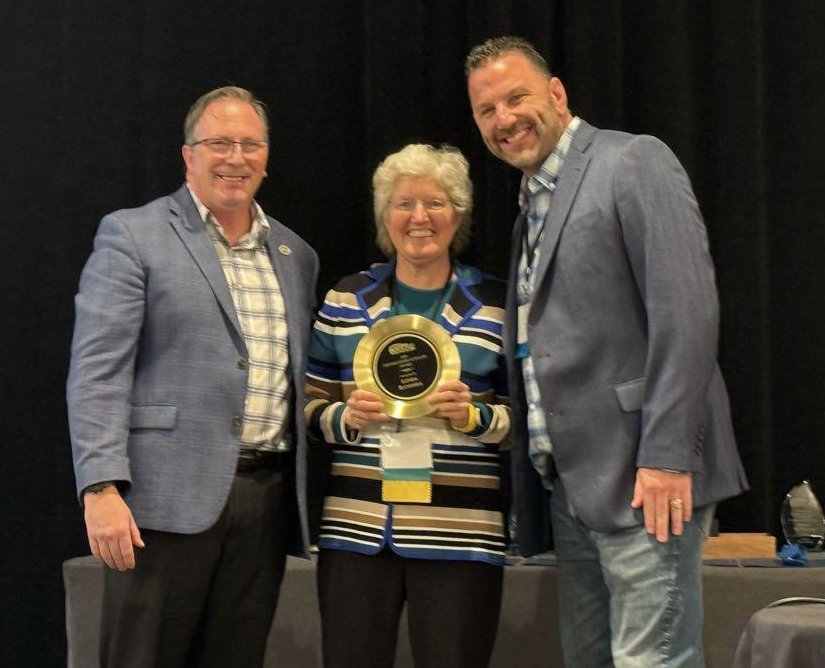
x=259 y=306
x=535 y=199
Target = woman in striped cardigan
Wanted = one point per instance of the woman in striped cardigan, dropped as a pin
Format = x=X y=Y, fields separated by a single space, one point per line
x=441 y=555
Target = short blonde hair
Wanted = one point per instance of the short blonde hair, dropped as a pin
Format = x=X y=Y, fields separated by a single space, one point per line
x=445 y=165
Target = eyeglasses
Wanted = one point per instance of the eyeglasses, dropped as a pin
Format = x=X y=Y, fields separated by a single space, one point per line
x=224 y=147
x=431 y=204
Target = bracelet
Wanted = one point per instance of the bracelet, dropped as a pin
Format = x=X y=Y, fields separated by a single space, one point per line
x=473 y=420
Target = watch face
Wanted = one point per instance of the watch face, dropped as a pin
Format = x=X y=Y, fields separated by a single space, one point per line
x=98 y=487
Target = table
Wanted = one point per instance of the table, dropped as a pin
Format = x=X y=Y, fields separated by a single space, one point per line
x=789 y=634
x=528 y=634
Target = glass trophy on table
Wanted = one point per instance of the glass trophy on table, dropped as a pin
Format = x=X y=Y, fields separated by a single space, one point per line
x=802 y=520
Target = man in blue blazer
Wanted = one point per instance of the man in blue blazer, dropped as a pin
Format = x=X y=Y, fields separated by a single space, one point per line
x=622 y=434
x=185 y=394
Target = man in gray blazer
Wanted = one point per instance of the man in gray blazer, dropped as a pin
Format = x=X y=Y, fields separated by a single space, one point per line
x=622 y=434
x=185 y=394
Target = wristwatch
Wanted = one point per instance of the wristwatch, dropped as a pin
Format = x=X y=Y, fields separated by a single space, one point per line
x=98 y=487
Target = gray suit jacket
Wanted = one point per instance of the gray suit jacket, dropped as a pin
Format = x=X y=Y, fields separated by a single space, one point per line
x=158 y=379
x=623 y=335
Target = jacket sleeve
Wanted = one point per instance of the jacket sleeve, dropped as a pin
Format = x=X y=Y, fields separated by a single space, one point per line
x=494 y=416
x=667 y=248
x=109 y=311
x=328 y=371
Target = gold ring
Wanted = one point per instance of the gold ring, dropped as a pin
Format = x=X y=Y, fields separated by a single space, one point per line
x=677 y=504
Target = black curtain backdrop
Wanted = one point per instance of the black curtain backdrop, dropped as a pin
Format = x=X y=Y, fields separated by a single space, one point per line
x=93 y=98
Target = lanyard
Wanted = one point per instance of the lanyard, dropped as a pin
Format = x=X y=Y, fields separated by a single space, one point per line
x=528 y=249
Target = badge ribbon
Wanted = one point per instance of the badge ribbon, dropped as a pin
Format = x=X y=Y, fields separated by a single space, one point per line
x=406 y=467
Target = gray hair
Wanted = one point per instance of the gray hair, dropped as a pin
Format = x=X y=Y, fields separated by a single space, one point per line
x=445 y=165
x=225 y=93
x=495 y=48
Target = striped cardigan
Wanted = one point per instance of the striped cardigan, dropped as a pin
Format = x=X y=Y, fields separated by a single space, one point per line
x=464 y=520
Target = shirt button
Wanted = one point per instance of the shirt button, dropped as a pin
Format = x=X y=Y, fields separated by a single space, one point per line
x=241 y=364
x=237 y=421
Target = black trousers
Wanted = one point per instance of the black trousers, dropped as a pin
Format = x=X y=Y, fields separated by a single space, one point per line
x=452 y=609
x=204 y=600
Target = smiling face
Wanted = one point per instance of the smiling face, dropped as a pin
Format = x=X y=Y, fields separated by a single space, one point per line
x=226 y=184
x=421 y=223
x=520 y=112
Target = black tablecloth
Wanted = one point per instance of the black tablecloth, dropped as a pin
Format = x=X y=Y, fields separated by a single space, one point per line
x=528 y=633
x=788 y=635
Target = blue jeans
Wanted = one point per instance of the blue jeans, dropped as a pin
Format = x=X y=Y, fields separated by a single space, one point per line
x=626 y=600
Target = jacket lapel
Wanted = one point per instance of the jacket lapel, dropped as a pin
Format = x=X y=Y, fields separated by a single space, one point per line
x=461 y=305
x=373 y=293
x=286 y=269
x=511 y=306
x=575 y=164
x=187 y=223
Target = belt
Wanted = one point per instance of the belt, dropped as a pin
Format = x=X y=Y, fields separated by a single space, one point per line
x=254 y=460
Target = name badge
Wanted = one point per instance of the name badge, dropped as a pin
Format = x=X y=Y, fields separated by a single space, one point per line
x=406 y=467
x=405 y=450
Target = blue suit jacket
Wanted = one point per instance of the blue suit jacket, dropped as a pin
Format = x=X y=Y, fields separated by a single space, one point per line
x=157 y=377
x=623 y=334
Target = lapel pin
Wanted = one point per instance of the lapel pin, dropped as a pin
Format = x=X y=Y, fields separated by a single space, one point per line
x=283 y=249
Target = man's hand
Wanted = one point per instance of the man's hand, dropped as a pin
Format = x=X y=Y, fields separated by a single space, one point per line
x=666 y=499
x=111 y=529
x=453 y=401
x=362 y=408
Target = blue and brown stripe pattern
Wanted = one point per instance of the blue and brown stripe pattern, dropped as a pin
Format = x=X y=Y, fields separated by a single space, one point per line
x=464 y=519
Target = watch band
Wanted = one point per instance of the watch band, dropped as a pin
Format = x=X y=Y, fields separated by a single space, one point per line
x=98 y=487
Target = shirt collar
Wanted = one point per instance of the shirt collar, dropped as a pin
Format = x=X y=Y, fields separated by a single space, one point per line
x=549 y=171
x=252 y=239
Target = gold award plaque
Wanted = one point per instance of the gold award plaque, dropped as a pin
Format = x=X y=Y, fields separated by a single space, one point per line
x=403 y=359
